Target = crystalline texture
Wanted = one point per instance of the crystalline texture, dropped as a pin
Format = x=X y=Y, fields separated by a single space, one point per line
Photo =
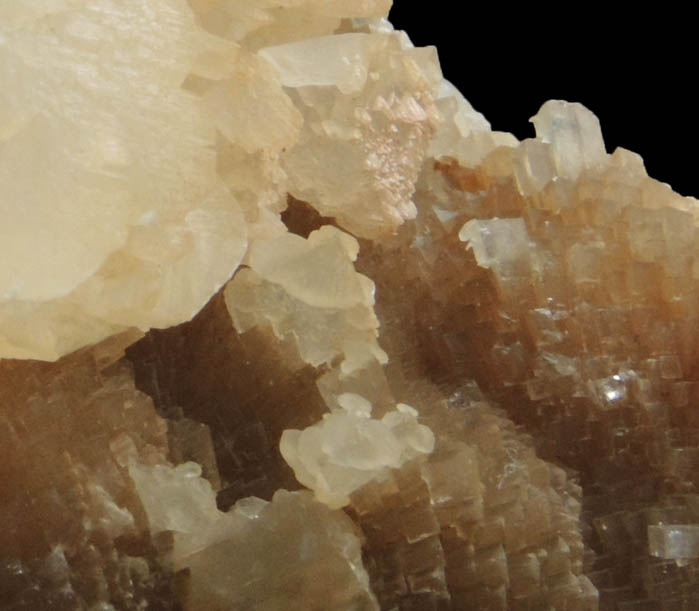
x=316 y=563
x=346 y=162
x=308 y=289
x=479 y=355
x=317 y=552
x=675 y=541
x=348 y=448
x=574 y=135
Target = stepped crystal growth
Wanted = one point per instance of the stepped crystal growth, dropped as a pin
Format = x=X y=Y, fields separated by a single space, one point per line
x=252 y=247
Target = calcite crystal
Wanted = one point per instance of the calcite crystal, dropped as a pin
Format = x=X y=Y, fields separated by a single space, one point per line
x=99 y=139
x=348 y=448
x=285 y=325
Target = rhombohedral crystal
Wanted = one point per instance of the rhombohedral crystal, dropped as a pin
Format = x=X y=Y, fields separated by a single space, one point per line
x=285 y=325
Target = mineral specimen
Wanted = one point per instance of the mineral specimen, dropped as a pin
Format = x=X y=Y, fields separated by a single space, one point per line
x=285 y=325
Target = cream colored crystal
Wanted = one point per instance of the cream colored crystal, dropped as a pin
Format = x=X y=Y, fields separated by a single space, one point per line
x=268 y=22
x=261 y=553
x=348 y=448
x=463 y=134
x=113 y=214
x=294 y=553
x=358 y=156
x=308 y=290
x=502 y=244
x=179 y=500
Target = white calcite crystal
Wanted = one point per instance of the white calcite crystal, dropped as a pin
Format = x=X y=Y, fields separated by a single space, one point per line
x=348 y=448
x=574 y=134
x=309 y=291
x=259 y=553
x=148 y=212
x=178 y=500
x=463 y=134
x=501 y=244
x=368 y=105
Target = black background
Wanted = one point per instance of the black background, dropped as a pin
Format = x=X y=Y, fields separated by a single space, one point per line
x=635 y=70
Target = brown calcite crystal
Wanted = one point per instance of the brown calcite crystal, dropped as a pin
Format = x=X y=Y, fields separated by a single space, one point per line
x=75 y=532
x=327 y=341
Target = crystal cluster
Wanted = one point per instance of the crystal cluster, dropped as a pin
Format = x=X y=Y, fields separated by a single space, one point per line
x=285 y=325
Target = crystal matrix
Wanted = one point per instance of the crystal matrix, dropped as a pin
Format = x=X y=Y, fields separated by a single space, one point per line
x=264 y=246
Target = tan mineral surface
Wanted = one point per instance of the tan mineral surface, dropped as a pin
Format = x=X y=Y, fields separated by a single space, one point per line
x=284 y=325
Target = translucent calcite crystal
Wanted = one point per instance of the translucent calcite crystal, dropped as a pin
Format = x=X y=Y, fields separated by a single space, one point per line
x=317 y=552
x=348 y=448
x=265 y=23
x=364 y=98
x=322 y=338
x=316 y=563
x=308 y=290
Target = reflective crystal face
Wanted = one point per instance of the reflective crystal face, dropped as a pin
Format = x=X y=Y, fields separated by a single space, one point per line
x=285 y=325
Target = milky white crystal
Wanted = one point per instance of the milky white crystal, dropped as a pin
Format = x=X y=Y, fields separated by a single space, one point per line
x=368 y=105
x=463 y=133
x=178 y=500
x=574 y=134
x=502 y=244
x=348 y=448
